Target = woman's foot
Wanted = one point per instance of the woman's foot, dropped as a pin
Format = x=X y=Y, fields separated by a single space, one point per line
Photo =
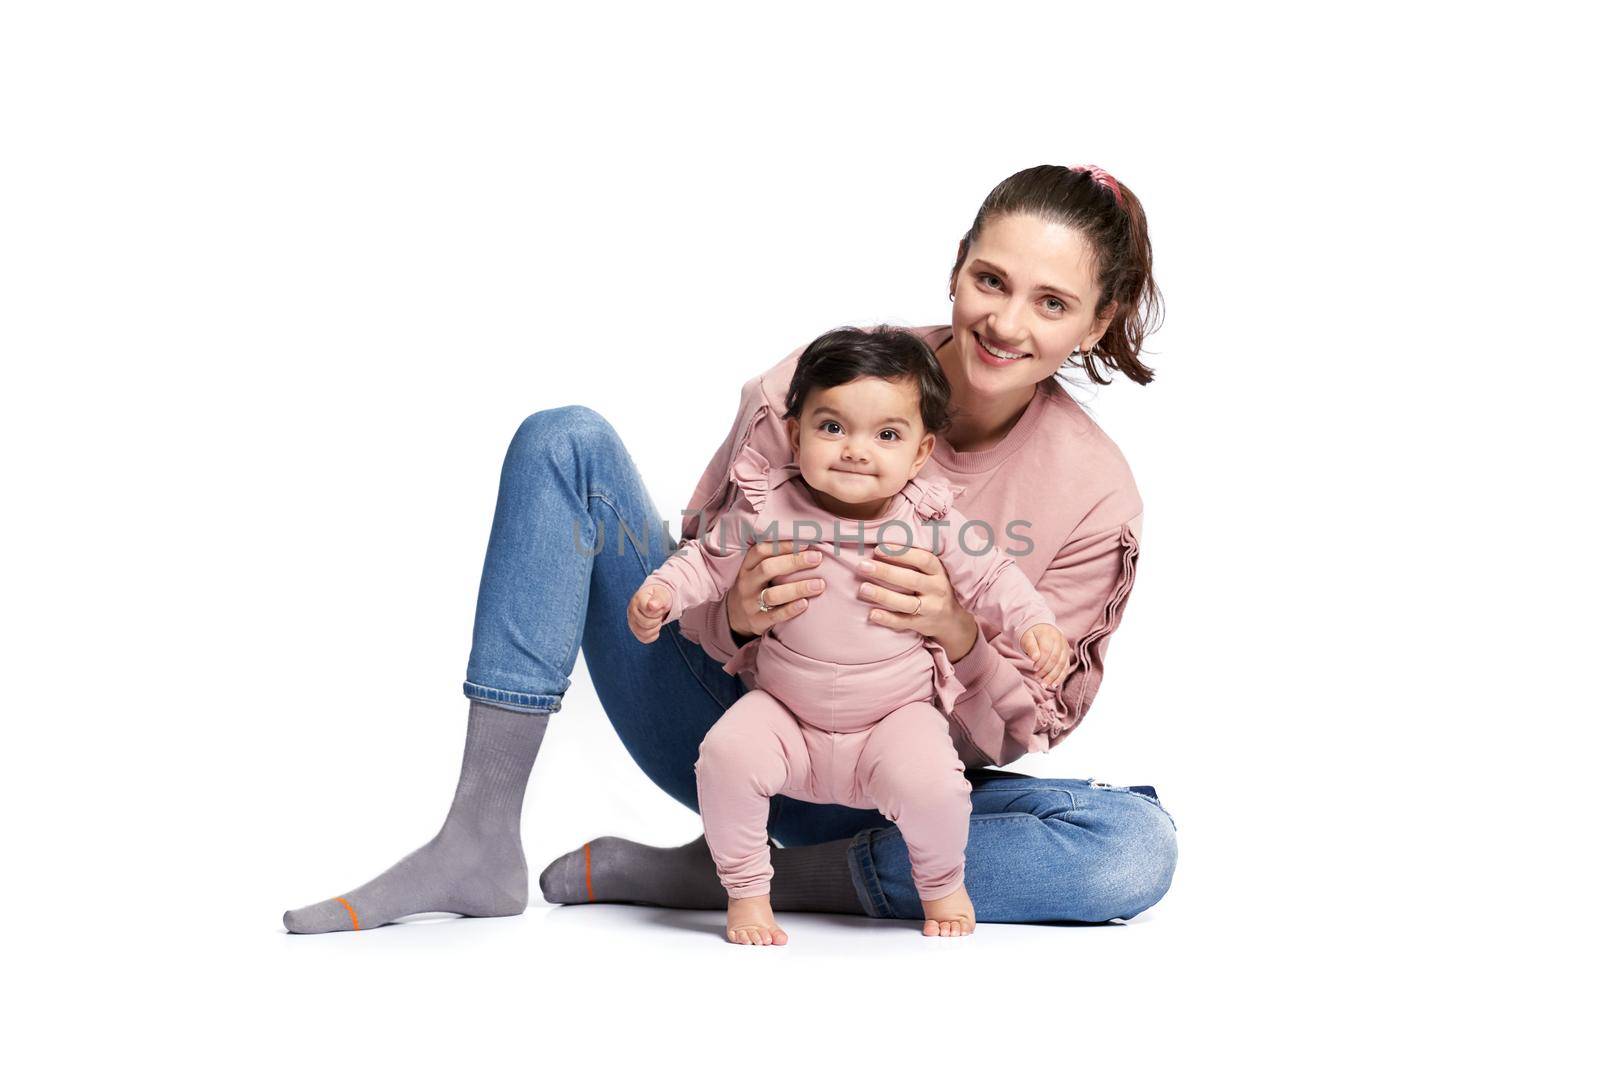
x=750 y=922
x=459 y=872
x=949 y=916
x=618 y=871
x=474 y=864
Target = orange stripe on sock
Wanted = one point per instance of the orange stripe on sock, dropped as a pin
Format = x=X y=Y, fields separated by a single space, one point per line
x=588 y=883
x=355 y=923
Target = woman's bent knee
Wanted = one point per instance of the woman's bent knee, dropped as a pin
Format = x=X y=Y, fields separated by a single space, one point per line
x=1109 y=859
x=1144 y=859
x=571 y=427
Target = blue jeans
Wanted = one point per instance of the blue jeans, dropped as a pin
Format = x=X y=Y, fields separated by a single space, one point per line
x=575 y=533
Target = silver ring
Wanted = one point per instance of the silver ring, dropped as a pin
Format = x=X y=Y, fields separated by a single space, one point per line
x=761 y=599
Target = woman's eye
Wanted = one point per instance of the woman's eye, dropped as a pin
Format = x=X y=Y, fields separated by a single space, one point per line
x=984 y=279
x=1054 y=304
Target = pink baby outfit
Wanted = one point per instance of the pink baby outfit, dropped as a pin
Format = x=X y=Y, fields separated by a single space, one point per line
x=842 y=710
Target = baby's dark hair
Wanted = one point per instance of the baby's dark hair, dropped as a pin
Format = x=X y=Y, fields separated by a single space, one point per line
x=848 y=353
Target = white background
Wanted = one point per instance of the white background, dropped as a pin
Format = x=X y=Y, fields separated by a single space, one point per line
x=280 y=280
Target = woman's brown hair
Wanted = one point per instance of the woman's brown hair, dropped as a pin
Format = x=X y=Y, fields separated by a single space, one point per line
x=1112 y=221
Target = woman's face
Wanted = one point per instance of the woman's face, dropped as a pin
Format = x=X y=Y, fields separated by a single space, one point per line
x=1024 y=299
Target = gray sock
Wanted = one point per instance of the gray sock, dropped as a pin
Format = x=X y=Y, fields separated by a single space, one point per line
x=474 y=864
x=815 y=878
x=616 y=870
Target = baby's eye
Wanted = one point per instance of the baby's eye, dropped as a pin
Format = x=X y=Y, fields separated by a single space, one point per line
x=831 y=427
x=894 y=435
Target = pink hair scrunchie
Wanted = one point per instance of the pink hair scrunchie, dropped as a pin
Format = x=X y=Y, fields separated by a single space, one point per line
x=1102 y=178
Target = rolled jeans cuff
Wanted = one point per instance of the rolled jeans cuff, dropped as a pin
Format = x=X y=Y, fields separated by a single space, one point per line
x=865 y=876
x=532 y=703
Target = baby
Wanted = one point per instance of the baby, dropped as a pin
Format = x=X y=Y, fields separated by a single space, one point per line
x=844 y=710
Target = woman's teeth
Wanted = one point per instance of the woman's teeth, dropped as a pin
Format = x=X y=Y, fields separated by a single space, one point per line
x=997 y=354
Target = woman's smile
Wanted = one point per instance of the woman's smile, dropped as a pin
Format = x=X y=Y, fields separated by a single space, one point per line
x=996 y=353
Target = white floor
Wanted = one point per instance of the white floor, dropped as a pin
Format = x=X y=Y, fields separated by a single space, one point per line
x=599 y=979
x=1302 y=926
x=1262 y=951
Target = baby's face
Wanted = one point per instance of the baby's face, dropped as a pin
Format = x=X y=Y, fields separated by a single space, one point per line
x=859 y=443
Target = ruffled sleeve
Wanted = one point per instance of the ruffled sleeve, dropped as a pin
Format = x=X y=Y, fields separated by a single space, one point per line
x=932 y=495
x=757 y=425
x=1005 y=712
x=749 y=475
x=754 y=478
x=704 y=568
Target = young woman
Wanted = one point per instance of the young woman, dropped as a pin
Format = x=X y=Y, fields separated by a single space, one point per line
x=1054 y=272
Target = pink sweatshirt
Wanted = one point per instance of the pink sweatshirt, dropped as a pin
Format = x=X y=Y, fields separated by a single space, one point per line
x=1056 y=489
x=775 y=504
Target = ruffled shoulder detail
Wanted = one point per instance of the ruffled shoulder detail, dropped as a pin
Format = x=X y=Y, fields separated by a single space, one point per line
x=750 y=474
x=932 y=495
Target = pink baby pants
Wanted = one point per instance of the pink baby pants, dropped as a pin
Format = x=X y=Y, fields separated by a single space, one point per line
x=863 y=735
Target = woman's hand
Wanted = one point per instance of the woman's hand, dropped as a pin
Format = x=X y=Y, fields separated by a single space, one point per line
x=765 y=561
x=899 y=580
x=647 y=610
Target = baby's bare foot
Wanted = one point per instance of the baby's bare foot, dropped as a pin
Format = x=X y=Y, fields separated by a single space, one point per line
x=951 y=916
x=750 y=922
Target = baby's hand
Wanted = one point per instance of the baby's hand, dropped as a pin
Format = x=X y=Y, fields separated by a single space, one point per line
x=1046 y=646
x=648 y=609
